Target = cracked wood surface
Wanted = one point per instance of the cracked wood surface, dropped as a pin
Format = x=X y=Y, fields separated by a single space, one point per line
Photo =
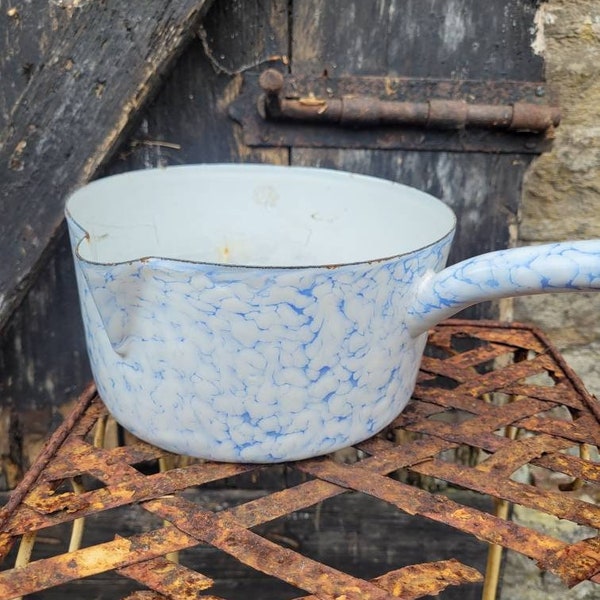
x=74 y=75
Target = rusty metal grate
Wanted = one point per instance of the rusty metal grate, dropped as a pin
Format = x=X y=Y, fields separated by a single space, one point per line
x=501 y=391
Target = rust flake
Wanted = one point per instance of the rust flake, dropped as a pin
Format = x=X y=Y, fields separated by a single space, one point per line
x=575 y=563
x=166 y=577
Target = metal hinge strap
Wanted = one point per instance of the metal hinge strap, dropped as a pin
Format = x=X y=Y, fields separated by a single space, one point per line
x=365 y=111
x=304 y=110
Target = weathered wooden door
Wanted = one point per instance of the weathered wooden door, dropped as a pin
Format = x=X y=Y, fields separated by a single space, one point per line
x=433 y=39
x=43 y=358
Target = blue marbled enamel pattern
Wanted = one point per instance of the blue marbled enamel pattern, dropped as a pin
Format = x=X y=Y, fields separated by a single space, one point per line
x=268 y=364
x=559 y=267
x=249 y=364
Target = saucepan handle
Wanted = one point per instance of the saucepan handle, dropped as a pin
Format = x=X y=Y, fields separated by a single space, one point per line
x=559 y=267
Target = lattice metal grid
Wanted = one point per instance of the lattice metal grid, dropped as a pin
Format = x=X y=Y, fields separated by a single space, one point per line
x=545 y=418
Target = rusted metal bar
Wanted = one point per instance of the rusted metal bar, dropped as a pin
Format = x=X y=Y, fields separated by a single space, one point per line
x=50 y=449
x=167 y=577
x=428 y=579
x=577 y=562
x=553 y=503
x=527 y=337
x=489 y=442
x=507 y=459
x=146 y=595
x=50 y=572
x=384 y=112
x=140 y=556
x=583 y=430
x=365 y=111
x=48 y=509
x=438 y=508
x=225 y=533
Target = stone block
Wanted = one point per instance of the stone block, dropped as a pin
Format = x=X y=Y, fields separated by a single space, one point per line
x=570 y=320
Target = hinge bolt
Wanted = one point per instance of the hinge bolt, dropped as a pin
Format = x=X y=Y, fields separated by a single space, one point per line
x=271 y=81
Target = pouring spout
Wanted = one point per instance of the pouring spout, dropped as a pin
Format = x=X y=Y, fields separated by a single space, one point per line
x=109 y=299
x=559 y=267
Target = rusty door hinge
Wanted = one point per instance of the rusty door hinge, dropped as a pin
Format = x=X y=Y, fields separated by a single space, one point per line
x=382 y=112
x=365 y=111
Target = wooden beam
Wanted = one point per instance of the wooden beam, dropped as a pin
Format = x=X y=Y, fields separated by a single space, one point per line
x=66 y=99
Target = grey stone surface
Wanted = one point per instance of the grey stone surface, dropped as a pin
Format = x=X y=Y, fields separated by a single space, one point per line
x=561 y=200
x=561 y=195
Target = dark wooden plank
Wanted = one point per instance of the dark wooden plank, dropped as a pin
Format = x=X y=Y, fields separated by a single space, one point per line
x=427 y=38
x=188 y=122
x=457 y=39
x=482 y=189
x=43 y=363
x=95 y=65
x=22 y=29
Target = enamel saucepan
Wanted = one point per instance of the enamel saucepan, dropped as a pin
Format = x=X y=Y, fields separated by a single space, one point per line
x=255 y=313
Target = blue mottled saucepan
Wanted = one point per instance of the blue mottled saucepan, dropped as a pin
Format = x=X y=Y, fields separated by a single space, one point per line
x=254 y=313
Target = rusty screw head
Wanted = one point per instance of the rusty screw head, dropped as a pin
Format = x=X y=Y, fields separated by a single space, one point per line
x=271 y=81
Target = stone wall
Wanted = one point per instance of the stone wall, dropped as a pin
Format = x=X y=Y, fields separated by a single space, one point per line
x=561 y=197
x=561 y=200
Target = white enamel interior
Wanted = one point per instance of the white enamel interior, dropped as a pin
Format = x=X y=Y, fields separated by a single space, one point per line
x=254 y=215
